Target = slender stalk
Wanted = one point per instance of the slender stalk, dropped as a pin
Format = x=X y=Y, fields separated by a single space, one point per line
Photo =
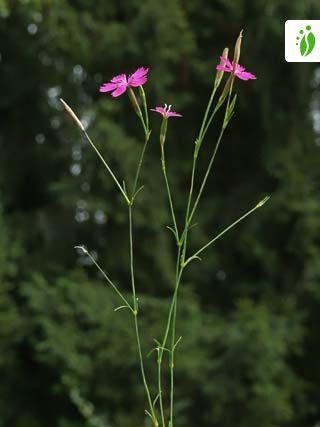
x=136 y=179
x=145 y=107
x=203 y=184
x=207 y=112
x=204 y=181
x=202 y=132
x=105 y=276
x=106 y=166
x=131 y=260
x=182 y=246
x=147 y=132
x=217 y=108
x=173 y=339
x=76 y=119
x=160 y=351
x=173 y=301
x=184 y=236
x=164 y=170
x=145 y=125
x=135 y=315
x=160 y=389
x=196 y=254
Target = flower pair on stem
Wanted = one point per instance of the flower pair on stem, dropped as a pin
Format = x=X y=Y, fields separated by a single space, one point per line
x=118 y=86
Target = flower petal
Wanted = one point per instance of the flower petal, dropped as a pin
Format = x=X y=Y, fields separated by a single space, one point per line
x=165 y=112
x=245 y=75
x=173 y=114
x=139 y=77
x=223 y=68
x=159 y=110
x=108 y=87
x=120 y=79
x=119 y=91
x=239 y=68
x=226 y=63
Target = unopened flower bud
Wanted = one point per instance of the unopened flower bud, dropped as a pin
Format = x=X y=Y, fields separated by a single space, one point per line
x=134 y=101
x=237 y=51
x=163 y=130
x=219 y=73
x=263 y=201
x=72 y=115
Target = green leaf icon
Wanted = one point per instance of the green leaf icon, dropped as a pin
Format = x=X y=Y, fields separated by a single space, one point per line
x=307 y=44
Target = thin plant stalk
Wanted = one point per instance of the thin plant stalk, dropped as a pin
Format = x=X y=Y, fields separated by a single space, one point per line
x=209 y=168
x=143 y=151
x=172 y=211
x=182 y=248
x=114 y=287
x=179 y=270
x=161 y=350
x=135 y=316
x=199 y=251
x=204 y=181
x=173 y=343
x=107 y=167
x=147 y=132
x=159 y=361
x=76 y=119
x=145 y=124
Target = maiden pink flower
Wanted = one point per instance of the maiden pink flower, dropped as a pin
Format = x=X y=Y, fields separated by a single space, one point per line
x=119 y=84
x=227 y=66
x=166 y=111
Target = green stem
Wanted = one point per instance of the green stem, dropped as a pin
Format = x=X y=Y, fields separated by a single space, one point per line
x=180 y=265
x=173 y=301
x=217 y=108
x=184 y=236
x=105 y=276
x=135 y=315
x=164 y=170
x=145 y=107
x=161 y=350
x=196 y=254
x=107 y=167
x=203 y=130
x=207 y=113
x=160 y=389
x=173 y=334
x=147 y=136
x=203 y=184
x=163 y=163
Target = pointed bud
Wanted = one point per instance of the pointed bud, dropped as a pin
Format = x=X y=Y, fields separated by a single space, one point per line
x=237 y=51
x=219 y=73
x=143 y=95
x=72 y=115
x=263 y=201
x=134 y=101
x=82 y=248
x=163 y=130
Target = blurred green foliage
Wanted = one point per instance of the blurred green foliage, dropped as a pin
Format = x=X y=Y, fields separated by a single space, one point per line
x=249 y=312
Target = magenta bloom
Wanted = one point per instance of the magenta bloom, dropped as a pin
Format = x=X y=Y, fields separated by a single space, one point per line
x=119 y=84
x=166 y=111
x=227 y=66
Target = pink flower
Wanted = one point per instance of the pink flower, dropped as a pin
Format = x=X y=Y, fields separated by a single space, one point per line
x=227 y=66
x=119 y=84
x=166 y=111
